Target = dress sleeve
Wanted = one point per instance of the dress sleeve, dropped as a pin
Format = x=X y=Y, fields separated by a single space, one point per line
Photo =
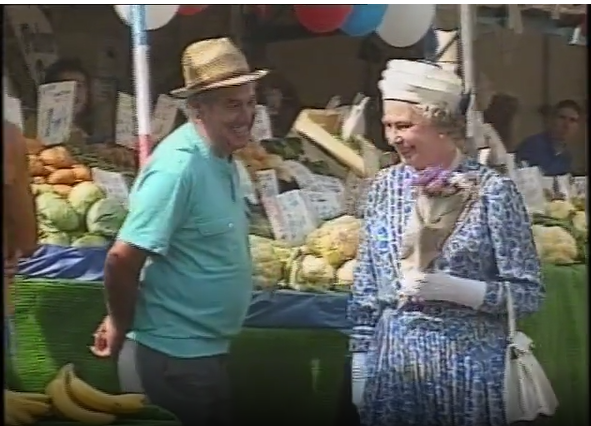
x=363 y=309
x=515 y=253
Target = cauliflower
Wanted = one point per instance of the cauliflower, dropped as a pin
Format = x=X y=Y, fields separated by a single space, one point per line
x=580 y=222
x=315 y=270
x=336 y=241
x=555 y=245
x=269 y=258
x=559 y=209
x=345 y=275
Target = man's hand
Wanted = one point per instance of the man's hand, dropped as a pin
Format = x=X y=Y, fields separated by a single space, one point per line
x=11 y=266
x=107 y=340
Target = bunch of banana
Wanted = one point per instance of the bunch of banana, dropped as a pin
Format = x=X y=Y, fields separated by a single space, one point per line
x=76 y=400
x=22 y=408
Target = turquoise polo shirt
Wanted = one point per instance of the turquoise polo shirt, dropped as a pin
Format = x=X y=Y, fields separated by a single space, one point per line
x=186 y=209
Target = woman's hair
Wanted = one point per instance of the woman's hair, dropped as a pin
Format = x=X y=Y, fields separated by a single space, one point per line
x=54 y=74
x=447 y=120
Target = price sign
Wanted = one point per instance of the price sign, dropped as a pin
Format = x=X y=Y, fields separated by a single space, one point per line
x=529 y=183
x=564 y=186
x=261 y=128
x=55 y=112
x=164 y=117
x=246 y=183
x=13 y=111
x=267 y=183
x=328 y=184
x=113 y=184
x=302 y=175
x=298 y=217
x=580 y=186
x=125 y=125
x=326 y=205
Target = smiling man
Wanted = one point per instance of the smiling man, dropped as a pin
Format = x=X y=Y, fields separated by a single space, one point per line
x=178 y=279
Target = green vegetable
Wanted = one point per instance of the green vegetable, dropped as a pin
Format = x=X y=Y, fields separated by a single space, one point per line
x=105 y=217
x=53 y=209
x=90 y=240
x=84 y=195
x=56 y=239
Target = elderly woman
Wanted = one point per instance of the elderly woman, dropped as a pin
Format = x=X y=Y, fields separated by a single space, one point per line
x=429 y=347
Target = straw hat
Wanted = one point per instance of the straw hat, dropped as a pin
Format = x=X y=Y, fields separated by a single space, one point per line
x=212 y=64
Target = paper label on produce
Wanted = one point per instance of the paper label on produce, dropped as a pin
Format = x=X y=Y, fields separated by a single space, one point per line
x=328 y=184
x=246 y=183
x=326 y=205
x=261 y=128
x=55 y=112
x=530 y=184
x=113 y=184
x=298 y=218
x=580 y=186
x=13 y=111
x=275 y=217
x=164 y=117
x=267 y=183
x=302 y=175
x=125 y=125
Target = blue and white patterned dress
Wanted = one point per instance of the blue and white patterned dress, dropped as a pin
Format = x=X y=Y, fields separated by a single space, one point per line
x=441 y=364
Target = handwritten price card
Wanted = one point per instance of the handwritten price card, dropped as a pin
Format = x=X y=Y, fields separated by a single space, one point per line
x=326 y=205
x=267 y=183
x=13 y=111
x=580 y=186
x=55 y=112
x=530 y=184
x=261 y=128
x=125 y=125
x=328 y=184
x=164 y=117
x=298 y=217
x=246 y=183
x=273 y=212
x=113 y=184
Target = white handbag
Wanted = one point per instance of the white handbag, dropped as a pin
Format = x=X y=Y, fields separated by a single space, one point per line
x=528 y=392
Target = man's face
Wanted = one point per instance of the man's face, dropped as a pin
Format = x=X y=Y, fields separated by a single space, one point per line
x=229 y=116
x=565 y=124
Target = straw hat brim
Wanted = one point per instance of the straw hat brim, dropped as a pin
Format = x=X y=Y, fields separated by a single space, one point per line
x=185 y=92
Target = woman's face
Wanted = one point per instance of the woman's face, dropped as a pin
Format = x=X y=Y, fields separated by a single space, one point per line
x=81 y=89
x=417 y=142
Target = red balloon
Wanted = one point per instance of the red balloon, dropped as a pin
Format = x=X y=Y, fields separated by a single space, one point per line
x=191 y=9
x=322 y=18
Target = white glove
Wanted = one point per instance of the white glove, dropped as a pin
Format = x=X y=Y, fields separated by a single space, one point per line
x=444 y=287
x=358 y=377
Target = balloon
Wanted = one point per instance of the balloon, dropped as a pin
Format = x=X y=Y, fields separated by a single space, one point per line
x=405 y=24
x=322 y=18
x=363 y=19
x=191 y=9
x=157 y=15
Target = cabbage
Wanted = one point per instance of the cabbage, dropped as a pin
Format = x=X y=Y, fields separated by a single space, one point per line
x=105 y=217
x=53 y=209
x=84 y=195
x=56 y=239
x=90 y=240
x=40 y=188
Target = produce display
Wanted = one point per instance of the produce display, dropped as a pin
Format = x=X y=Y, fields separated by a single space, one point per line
x=71 y=209
x=69 y=397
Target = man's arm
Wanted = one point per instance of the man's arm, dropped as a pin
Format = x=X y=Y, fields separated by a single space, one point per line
x=156 y=210
x=22 y=203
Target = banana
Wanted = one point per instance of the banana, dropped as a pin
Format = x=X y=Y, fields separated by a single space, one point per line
x=18 y=416
x=40 y=397
x=66 y=406
x=93 y=399
x=35 y=408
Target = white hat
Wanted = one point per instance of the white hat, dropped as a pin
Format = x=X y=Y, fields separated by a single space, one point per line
x=421 y=83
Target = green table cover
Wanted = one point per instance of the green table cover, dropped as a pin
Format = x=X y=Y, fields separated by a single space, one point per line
x=292 y=375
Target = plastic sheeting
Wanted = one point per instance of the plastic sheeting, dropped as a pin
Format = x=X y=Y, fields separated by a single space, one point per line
x=269 y=309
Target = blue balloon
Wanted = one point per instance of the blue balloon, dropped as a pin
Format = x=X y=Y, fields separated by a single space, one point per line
x=363 y=19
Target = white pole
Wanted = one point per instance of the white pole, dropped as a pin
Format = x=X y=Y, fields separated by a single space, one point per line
x=466 y=37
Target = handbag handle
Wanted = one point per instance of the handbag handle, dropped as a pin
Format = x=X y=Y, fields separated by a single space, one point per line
x=510 y=314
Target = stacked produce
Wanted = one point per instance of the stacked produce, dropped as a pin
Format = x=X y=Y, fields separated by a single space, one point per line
x=69 y=397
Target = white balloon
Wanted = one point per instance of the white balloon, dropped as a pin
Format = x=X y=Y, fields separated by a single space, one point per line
x=157 y=15
x=406 y=24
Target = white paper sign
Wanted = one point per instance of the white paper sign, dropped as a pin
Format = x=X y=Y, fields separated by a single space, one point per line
x=164 y=117
x=125 y=125
x=302 y=175
x=261 y=128
x=564 y=186
x=328 y=184
x=580 y=186
x=267 y=183
x=271 y=206
x=13 y=111
x=529 y=183
x=113 y=184
x=55 y=112
x=298 y=218
x=326 y=205
x=246 y=183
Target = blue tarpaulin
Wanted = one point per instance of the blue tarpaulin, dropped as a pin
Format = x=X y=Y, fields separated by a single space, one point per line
x=269 y=309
